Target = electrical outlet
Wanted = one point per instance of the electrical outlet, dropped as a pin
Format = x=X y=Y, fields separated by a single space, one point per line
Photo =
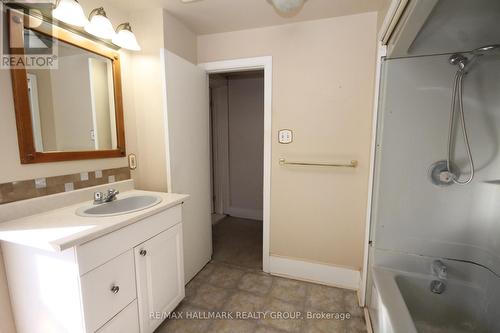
x=285 y=136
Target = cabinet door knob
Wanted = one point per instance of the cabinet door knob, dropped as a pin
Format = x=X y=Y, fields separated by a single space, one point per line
x=115 y=289
x=143 y=252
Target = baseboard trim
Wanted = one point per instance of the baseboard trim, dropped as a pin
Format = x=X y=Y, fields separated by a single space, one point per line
x=216 y=218
x=244 y=213
x=313 y=272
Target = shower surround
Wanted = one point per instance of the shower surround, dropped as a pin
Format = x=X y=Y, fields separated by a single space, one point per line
x=414 y=221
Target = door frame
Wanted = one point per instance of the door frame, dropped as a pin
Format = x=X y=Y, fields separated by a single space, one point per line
x=247 y=64
x=381 y=54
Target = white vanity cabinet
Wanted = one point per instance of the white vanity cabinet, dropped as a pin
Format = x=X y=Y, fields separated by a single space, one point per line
x=109 y=284
x=158 y=260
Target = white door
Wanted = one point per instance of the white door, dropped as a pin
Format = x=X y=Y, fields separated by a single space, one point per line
x=188 y=155
x=160 y=276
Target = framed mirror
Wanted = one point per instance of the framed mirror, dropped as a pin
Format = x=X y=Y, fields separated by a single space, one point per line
x=72 y=110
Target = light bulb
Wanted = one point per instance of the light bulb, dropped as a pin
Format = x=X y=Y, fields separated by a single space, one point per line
x=125 y=38
x=99 y=25
x=70 y=12
x=287 y=6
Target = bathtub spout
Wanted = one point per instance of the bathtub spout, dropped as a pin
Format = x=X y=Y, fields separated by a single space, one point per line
x=438 y=286
x=439 y=269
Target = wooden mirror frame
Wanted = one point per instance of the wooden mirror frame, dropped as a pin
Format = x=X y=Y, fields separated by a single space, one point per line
x=27 y=151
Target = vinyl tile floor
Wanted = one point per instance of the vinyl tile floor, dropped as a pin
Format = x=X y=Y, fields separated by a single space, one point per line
x=232 y=294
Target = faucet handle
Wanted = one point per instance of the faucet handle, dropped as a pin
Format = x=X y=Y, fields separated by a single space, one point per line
x=98 y=196
x=113 y=191
x=440 y=269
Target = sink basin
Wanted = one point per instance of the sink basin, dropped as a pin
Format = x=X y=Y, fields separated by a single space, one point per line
x=120 y=206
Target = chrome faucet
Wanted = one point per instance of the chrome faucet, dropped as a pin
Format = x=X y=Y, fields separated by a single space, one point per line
x=100 y=198
x=439 y=269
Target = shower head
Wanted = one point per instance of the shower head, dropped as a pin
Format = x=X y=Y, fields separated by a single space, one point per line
x=486 y=50
x=464 y=63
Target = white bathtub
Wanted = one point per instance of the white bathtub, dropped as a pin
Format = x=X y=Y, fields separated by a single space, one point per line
x=401 y=300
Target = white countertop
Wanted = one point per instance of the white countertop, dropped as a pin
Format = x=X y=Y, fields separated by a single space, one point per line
x=60 y=229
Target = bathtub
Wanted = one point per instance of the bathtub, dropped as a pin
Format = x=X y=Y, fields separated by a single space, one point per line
x=401 y=300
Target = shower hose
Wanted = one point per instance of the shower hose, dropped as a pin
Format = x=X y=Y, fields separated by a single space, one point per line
x=458 y=97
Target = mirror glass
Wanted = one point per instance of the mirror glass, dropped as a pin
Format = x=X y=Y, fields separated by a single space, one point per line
x=72 y=107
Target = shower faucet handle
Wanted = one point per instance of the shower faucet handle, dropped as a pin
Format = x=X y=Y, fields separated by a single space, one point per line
x=439 y=269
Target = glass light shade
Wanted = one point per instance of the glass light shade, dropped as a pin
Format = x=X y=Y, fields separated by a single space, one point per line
x=70 y=12
x=125 y=38
x=287 y=6
x=99 y=25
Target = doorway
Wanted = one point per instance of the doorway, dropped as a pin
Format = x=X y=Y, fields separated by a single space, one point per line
x=237 y=166
x=187 y=136
x=263 y=66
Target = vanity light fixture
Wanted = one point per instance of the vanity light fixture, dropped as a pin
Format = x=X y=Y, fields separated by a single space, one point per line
x=99 y=25
x=287 y=6
x=70 y=12
x=125 y=38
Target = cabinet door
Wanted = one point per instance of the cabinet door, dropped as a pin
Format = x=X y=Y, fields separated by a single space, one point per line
x=124 y=322
x=160 y=276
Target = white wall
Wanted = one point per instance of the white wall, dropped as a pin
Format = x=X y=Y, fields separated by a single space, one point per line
x=246 y=145
x=411 y=214
x=323 y=79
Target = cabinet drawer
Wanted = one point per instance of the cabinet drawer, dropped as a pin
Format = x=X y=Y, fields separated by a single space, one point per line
x=107 y=290
x=126 y=321
x=95 y=253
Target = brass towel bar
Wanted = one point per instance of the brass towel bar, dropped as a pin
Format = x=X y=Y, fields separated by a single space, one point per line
x=353 y=164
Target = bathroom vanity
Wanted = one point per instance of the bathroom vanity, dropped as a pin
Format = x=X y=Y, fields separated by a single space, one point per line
x=74 y=264
x=104 y=273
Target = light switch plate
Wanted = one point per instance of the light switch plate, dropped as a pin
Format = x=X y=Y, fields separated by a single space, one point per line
x=132 y=162
x=285 y=136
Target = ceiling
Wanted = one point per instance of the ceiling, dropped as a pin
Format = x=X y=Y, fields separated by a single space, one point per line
x=213 y=16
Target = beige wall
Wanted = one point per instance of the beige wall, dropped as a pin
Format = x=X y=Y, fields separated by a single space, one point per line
x=383 y=12
x=148 y=105
x=323 y=79
x=178 y=38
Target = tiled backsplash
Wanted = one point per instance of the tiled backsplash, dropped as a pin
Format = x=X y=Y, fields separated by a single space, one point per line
x=28 y=189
